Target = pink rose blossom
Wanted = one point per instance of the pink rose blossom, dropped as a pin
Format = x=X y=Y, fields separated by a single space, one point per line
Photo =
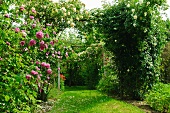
x=33 y=10
x=39 y=85
x=52 y=42
x=47 y=53
x=58 y=56
x=28 y=77
x=47 y=35
x=58 y=52
x=42 y=42
x=48 y=78
x=54 y=32
x=39 y=35
x=22 y=8
x=34 y=72
x=43 y=64
x=42 y=47
x=17 y=30
x=47 y=66
x=7 y=15
x=31 y=17
x=53 y=55
x=32 y=42
x=37 y=68
x=0 y=58
x=38 y=77
x=49 y=24
x=22 y=43
x=33 y=25
x=66 y=54
x=49 y=71
x=8 y=43
x=37 y=62
x=58 y=68
x=46 y=46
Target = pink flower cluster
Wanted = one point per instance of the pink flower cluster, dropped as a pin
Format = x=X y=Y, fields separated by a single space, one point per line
x=39 y=35
x=32 y=42
x=47 y=65
x=43 y=45
x=28 y=77
x=34 y=72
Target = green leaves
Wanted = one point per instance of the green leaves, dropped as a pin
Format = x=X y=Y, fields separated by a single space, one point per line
x=135 y=34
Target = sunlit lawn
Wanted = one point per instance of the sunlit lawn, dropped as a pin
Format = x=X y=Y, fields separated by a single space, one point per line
x=77 y=100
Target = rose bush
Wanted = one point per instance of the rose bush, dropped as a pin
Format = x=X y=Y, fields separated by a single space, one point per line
x=30 y=49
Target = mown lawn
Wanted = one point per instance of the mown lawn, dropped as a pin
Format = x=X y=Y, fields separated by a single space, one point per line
x=80 y=100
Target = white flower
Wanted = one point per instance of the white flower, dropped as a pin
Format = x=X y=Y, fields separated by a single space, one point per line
x=128 y=5
x=148 y=3
x=68 y=22
x=74 y=9
x=145 y=30
x=72 y=24
x=68 y=13
x=24 y=34
x=134 y=24
x=65 y=14
x=64 y=9
x=77 y=18
x=135 y=17
x=133 y=10
x=140 y=1
x=145 y=13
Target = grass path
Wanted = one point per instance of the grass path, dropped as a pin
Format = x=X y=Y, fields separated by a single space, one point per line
x=90 y=101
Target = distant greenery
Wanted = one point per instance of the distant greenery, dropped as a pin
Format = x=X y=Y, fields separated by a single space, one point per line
x=77 y=100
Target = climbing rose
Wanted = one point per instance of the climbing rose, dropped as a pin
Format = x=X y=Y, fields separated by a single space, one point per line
x=48 y=78
x=66 y=54
x=43 y=64
x=8 y=43
x=28 y=77
x=22 y=43
x=24 y=34
x=42 y=42
x=17 y=30
x=37 y=62
x=47 y=66
x=42 y=47
x=33 y=10
x=37 y=68
x=22 y=8
x=33 y=25
x=52 y=42
x=49 y=71
x=31 y=17
x=7 y=15
x=34 y=72
x=39 y=35
x=32 y=42
x=47 y=35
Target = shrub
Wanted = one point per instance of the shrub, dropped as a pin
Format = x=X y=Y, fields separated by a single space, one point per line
x=159 y=97
x=165 y=64
x=108 y=84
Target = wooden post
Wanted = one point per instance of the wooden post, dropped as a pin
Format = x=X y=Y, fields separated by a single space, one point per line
x=59 y=75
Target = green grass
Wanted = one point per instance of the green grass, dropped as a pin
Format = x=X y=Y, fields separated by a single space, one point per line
x=79 y=100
